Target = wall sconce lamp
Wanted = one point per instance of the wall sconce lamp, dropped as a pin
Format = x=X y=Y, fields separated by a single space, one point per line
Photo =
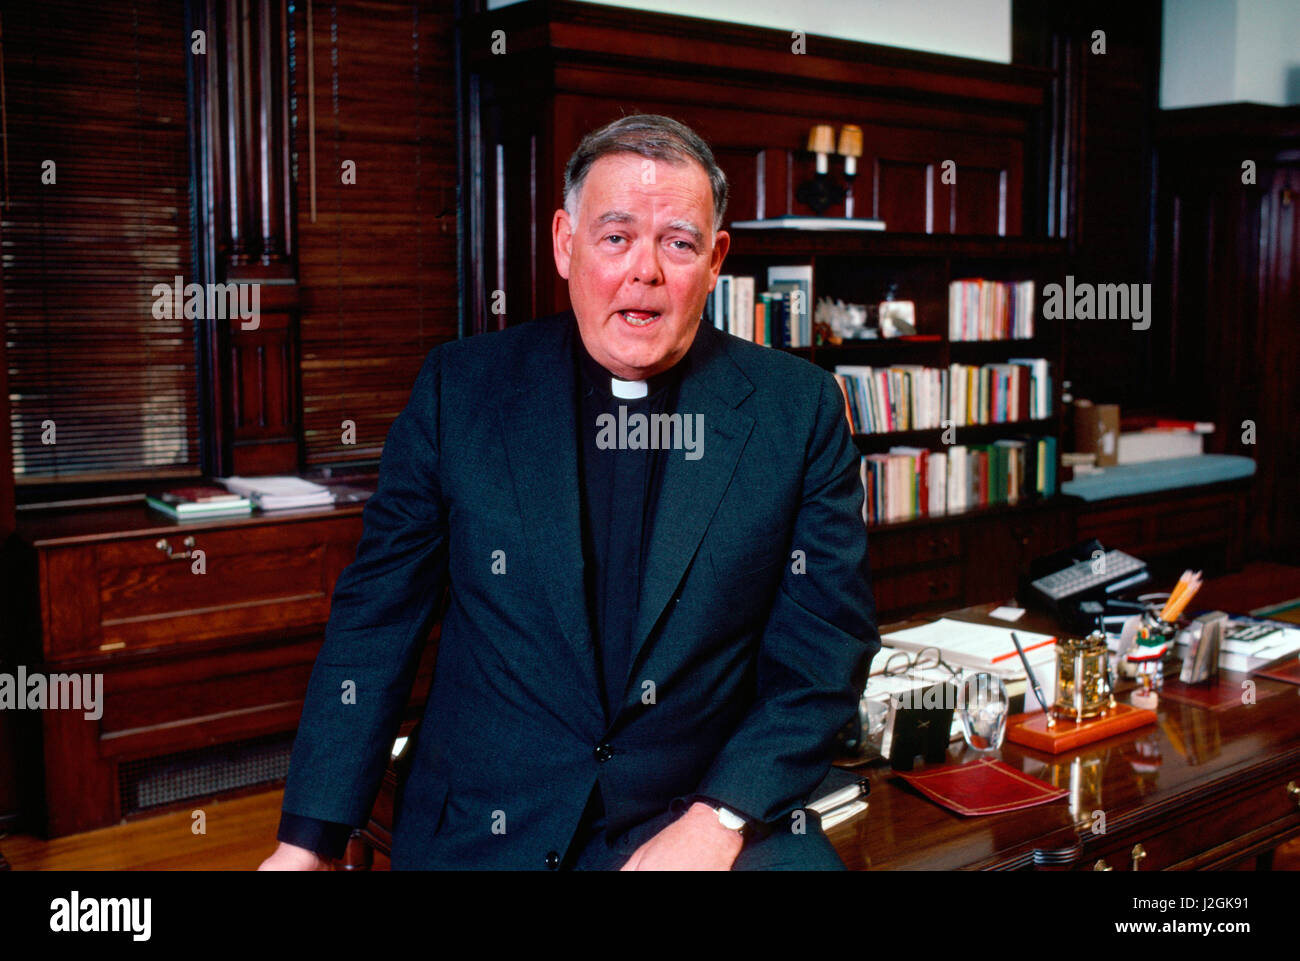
x=850 y=149
x=822 y=192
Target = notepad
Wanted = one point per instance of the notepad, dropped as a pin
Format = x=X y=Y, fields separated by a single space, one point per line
x=979 y=646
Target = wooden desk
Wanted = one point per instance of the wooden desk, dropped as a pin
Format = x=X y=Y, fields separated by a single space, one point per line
x=1202 y=789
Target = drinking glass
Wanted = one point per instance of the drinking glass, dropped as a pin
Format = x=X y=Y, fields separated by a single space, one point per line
x=983 y=711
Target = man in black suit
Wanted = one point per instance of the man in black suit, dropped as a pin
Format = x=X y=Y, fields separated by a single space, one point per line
x=660 y=607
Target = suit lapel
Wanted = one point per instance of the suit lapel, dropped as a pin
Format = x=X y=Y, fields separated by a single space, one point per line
x=539 y=425
x=691 y=489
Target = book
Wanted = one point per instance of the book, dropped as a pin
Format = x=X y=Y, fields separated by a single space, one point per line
x=788 y=279
x=743 y=307
x=1140 y=446
x=201 y=494
x=183 y=510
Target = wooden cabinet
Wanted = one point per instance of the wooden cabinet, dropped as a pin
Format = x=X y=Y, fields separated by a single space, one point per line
x=183 y=586
x=204 y=666
x=1198 y=525
x=943 y=562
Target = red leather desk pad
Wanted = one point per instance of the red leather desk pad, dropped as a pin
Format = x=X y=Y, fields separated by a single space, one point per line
x=983 y=786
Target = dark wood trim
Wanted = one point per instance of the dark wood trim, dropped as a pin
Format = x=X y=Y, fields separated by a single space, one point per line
x=244 y=230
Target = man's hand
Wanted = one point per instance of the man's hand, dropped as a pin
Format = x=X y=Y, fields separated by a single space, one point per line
x=694 y=842
x=290 y=857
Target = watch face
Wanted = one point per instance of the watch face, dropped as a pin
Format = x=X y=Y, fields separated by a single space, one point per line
x=729 y=820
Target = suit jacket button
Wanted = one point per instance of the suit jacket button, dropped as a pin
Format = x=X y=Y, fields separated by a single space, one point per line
x=604 y=753
x=553 y=859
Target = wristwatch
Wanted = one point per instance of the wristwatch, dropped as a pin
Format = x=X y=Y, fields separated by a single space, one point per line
x=732 y=821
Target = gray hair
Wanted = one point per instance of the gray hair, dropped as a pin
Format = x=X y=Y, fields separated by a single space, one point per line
x=650 y=135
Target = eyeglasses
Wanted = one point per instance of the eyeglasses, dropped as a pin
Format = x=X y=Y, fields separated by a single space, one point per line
x=926 y=659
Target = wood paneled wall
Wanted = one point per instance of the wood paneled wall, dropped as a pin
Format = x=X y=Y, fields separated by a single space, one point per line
x=571 y=67
x=1228 y=256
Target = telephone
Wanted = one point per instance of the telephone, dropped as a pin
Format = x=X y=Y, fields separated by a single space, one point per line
x=1078 y=585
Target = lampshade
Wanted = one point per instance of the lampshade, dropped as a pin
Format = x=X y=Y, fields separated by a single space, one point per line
x=821 y=139
x=850 y=141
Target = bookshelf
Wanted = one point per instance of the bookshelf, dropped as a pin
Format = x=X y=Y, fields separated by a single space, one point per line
x=861 y=268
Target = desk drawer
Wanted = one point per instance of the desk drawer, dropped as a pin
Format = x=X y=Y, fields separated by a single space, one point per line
x=130 y=594
x=1209 y=836
x=917 y=589
x=907 y=548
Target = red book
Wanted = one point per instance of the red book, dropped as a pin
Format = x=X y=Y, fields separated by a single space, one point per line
x=198 y=495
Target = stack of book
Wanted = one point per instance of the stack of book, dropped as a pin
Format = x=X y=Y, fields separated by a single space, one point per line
x=910 y=482
x=1145 y=439
x=900 y=397
x=185 y=503
x=990 y=310
x=775 y=317
x=1020 y=389
x=280 y=493
x=911 y=397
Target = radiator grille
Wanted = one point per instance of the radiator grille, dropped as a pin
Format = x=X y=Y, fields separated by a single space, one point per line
x=202 y=772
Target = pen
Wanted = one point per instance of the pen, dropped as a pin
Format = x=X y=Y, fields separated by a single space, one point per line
x=1038 y=691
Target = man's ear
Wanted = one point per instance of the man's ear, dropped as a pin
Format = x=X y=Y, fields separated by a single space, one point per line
x=721 y=244
x=562 y=241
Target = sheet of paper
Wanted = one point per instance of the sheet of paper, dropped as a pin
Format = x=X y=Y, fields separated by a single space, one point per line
x=1007 y=613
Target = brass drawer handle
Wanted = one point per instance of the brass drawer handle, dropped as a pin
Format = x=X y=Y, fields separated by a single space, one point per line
x=167 y=549
x=1101 y=865
x=1293 y=792
x=1139 y=854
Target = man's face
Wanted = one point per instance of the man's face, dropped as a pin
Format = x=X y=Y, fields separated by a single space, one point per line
x=640 y=257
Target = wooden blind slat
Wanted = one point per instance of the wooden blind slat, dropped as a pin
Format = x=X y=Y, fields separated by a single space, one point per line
x=101 y=92
x=378 y=267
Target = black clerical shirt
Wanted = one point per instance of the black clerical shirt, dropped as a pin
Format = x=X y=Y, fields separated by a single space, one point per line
x=620 y=487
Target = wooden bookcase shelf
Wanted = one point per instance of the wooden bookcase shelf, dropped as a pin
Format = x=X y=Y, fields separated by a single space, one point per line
x=885 y=243
x=972 y=555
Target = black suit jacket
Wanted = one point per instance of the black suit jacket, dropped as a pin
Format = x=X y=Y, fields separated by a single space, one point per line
x=755 y=633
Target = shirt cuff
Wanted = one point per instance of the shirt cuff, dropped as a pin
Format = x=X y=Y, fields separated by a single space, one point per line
x=325 y=839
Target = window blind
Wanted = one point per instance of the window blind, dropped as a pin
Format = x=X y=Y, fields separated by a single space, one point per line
x=98 y=213
x=377 y=266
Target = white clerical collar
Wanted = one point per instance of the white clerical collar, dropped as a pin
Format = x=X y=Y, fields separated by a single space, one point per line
x=628 y=389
